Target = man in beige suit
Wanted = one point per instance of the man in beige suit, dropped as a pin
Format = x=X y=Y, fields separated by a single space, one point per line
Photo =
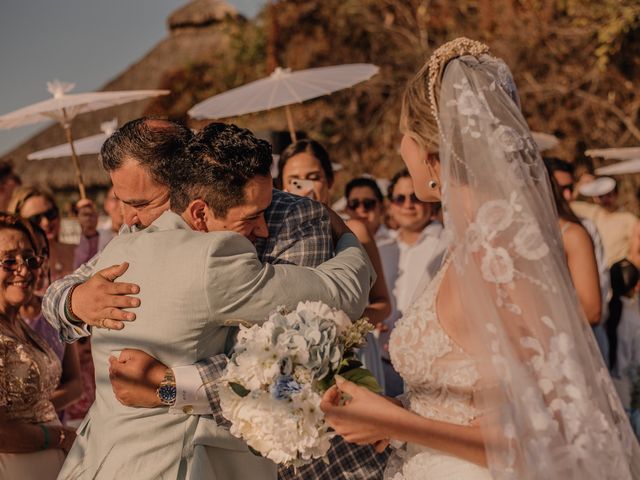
x=193 y=285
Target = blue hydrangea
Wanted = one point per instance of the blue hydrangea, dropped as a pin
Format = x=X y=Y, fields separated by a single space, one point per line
x=284 y=386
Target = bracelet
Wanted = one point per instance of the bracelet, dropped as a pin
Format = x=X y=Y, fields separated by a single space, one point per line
x=45 y=431
x=67 y=307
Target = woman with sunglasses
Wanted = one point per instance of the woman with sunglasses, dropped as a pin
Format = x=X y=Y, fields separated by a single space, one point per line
x=70 y=388
x=39 y=207
x=33 y=444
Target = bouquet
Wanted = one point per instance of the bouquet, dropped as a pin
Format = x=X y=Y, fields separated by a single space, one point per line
x=273 y=384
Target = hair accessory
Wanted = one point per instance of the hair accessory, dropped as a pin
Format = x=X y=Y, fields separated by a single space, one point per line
x=441 y=57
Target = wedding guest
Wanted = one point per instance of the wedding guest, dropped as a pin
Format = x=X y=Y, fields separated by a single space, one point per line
x=39 y=206
x=299 y=234
x=33 y=444
x=71 y=385
x=623 y=328
x=420 y=253
x=620 y=230
x=561 y=177
x=308 y=161
x=9 y=181
x=305 y=169
x=92 y=238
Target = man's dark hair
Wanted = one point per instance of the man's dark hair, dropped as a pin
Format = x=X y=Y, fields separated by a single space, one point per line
x=554 y=164
x=313 y=148
x=404 y=173
x=158 y=145
x=364 y=182
x=222 y=158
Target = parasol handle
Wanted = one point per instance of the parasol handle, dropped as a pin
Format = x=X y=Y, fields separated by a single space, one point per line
x=76 y=163
x=292 y=130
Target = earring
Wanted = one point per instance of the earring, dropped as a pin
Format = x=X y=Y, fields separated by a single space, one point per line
x=433 y=184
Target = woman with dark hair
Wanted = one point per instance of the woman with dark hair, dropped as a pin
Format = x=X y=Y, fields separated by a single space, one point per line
x=33 y=444
x=581 y=258
x=305 y=169
x=39 y=207
x=623 y=327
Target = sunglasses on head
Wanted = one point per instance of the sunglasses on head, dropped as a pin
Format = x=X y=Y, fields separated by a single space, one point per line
x=367 y=204
x=50 y=215
x=401 y=199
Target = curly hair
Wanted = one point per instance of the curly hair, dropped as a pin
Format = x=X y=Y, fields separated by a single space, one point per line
x=221 y=160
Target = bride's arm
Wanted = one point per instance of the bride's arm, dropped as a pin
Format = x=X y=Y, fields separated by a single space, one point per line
x=370 y=418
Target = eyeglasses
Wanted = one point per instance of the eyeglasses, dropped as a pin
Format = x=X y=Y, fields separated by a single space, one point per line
x=50 y=215
x=401 y=199
x=367 y=204
x=11 y=264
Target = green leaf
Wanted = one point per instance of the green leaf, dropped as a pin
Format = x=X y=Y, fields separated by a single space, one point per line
x=239 y=389
x=364 y=378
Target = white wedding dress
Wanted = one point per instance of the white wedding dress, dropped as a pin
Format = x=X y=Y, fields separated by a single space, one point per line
x=439 y=382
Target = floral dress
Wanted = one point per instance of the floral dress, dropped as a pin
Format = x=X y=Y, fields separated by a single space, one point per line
x=29 y=373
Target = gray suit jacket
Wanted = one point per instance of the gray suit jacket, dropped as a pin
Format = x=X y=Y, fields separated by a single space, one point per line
x=193 y=286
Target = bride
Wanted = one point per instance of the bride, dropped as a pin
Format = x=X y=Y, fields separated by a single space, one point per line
x=503 y=376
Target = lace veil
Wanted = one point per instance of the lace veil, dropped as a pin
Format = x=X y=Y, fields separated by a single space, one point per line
x=550 y=409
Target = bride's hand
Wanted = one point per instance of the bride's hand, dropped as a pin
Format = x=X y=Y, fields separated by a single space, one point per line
x=359 y=419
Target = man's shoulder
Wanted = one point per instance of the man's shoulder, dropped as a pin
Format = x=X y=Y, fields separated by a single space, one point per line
x=283 y=204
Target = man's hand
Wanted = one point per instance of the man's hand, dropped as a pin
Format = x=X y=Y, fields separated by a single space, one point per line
x=87 y=217
x=135 y=376
x=99 y=300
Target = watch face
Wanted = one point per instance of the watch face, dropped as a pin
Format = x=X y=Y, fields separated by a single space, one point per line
x=167 y=394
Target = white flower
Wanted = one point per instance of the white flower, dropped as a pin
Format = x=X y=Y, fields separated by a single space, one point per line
x=474 y=237
x=530 y=244
x=323 y=310
x=497 y=266
x=495 y=216
x=509 y=139
x=468 y=103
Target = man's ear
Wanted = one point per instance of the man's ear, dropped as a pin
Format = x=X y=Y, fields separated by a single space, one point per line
x=196 y=214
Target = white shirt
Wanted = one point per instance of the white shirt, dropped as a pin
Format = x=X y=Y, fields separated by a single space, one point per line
x=418 y=264
x=408 y=269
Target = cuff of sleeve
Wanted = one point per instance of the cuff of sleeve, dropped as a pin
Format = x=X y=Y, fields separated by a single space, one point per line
x=70 y=330
x=191 y=396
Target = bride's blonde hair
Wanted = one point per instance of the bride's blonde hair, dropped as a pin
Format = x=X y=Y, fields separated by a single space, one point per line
x=419 y=115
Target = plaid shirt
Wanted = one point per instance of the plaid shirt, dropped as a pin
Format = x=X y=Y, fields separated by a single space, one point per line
x=299 y=234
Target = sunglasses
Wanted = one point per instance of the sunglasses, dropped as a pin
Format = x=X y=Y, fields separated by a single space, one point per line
x=50 y=215
x=401 y=199
x=367 y=204
x=11 y=264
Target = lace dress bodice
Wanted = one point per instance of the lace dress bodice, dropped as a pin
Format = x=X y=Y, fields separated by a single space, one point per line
x=29 y=373
x=439 y=376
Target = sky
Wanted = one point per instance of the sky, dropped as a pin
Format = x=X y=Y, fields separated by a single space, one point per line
x=87 y=42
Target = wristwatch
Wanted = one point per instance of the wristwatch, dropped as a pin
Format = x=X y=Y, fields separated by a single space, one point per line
x=167 y=390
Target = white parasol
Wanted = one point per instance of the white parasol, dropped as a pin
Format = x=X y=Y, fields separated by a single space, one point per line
x=626 y=153
x=84 y=146
x=622 y=168
x=64 y=107
x=545 y=141
x=281 y=89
